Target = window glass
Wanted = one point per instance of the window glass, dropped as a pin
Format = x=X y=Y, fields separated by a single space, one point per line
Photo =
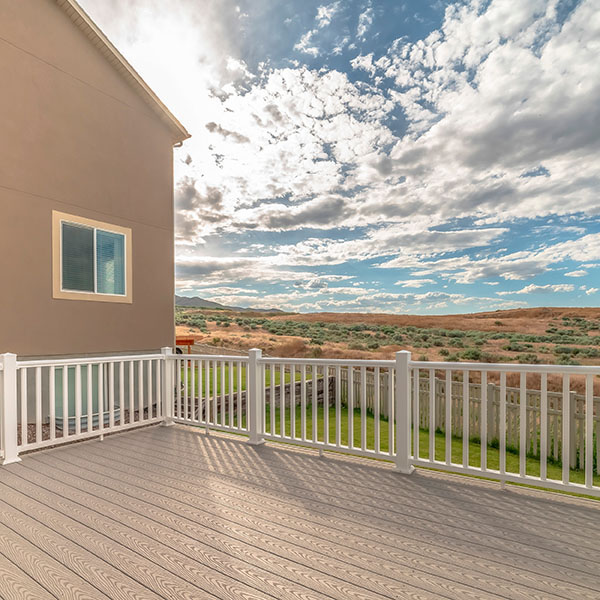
x=77 y=258
x=110 y=262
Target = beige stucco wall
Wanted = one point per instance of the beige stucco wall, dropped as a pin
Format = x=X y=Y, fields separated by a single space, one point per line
x=74 y=137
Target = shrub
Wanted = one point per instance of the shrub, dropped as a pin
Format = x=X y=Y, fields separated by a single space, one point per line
x=471 y=354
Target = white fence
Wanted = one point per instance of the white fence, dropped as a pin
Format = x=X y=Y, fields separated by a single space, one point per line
x=394 y=410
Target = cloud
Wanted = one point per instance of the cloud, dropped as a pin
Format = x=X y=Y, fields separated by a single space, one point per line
x=326 y=13
x=579 y=273
x=365 y=20
x=414 y=283
x=237 y=137
x=540 y=289
x=591 y=291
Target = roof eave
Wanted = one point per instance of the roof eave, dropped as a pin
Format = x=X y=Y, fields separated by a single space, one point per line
x=97 y=37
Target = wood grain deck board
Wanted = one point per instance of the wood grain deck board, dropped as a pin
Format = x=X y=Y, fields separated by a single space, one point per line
x=56 y=579
x=154 y=536
x=383 y=520
x=83 y=564
x=173 y=513
x=15 y=584
x=147 y=479
x=334 y=572
x=378 y=478
x=152 y=564
x=487 y=576
x=496 y=521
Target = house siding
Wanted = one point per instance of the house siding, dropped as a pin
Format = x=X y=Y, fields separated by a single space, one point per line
x=75 y=138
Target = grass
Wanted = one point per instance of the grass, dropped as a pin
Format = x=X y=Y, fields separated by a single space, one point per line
x=277 y=379
x=554 y=470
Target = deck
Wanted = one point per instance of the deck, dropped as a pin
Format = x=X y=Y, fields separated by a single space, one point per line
x=173 y=513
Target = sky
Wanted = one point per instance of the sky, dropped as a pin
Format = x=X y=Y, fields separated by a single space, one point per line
x=402 y=156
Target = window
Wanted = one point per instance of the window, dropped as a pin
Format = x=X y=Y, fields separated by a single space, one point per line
x=92 y=260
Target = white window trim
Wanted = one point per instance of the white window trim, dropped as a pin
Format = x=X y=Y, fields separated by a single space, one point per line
x=58 y=218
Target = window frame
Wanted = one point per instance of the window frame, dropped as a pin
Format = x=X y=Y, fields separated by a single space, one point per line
x=58 y=218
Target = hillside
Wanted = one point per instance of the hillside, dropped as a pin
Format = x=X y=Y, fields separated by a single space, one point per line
x=548 y=335
x=196 y=302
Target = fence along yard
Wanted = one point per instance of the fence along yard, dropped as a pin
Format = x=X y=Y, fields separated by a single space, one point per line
x=533 y=401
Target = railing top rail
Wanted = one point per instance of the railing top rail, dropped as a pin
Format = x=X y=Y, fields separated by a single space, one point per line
x=224 y=357
x=329 y=361
x=507 y=367
x=94 y=360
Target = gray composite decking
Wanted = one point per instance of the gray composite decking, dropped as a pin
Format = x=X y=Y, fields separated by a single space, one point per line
x=173 y=513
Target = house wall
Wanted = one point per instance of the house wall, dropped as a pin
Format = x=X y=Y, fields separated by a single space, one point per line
x=74 y=137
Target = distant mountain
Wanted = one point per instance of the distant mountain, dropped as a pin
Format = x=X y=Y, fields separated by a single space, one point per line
x=196 y=302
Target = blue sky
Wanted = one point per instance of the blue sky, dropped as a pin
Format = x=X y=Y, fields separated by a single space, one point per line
x=390 y=156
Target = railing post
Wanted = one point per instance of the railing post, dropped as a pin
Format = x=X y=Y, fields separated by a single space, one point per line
x=8 y=408
x=168 y=396
x=254 y=398
x=402 y=412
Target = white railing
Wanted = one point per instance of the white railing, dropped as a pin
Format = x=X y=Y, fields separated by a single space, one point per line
x=210 y=391
x=54 y=401
x=413 y=413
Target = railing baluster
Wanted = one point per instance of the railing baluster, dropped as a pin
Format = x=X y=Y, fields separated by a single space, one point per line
x=350 y=407
x=303 y=403
x=52 y=400
x=38 y=404
x=377 y=411
x=363 y=408
x=131 y=392
x=448 y=417
x=207 y=403
x=502 y=429
x=566 y=430
x=89 y=397
x=432 y=424
x=77 y=400
x=282 y=395
x=230 y=395
x=326 y=404
x=293 y=401
x=544 y=427
x=100 y=397
x=121 y=391
x=466 y=434
x=149 y=400
x=338 y=406
x=589 y=431
x=272 y=375
x=392 y=410
x=314 y=371
x=215 y=391
x=193 y=387
x=140 y=416
x=158 y=388
x=65 y=401
x=111 y=395
x=178 y=388
x=239 y=394
x=483 y=422
x=24 y=417
x=222 y=396
x=416 y=416
x=523 y=425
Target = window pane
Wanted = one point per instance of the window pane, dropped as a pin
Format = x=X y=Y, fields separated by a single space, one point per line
x=77 y=258
x=110 y=262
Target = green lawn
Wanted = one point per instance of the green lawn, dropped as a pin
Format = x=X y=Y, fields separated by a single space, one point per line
x=234 y=369
x=554 y=471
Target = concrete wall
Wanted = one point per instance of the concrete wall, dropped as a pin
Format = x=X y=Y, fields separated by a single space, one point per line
x=74 y=137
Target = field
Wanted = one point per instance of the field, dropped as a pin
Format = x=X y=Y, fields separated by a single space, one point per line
x=541 y=335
